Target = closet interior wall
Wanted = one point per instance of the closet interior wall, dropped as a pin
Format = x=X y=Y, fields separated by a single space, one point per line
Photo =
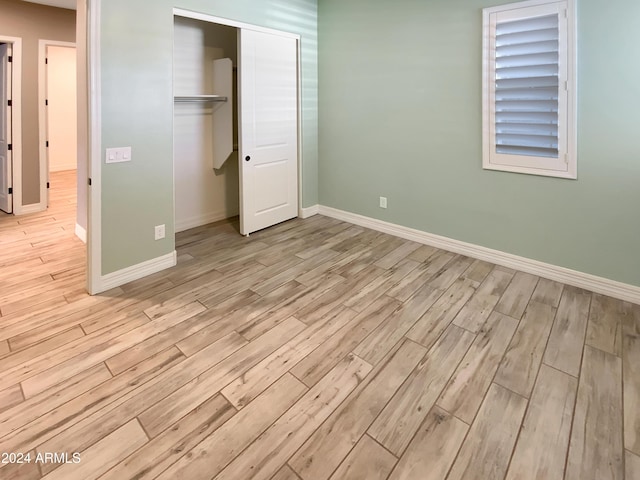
x=202 y=194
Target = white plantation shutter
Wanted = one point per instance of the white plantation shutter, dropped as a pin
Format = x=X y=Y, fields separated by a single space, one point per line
x=526 y=81
x=526 y=87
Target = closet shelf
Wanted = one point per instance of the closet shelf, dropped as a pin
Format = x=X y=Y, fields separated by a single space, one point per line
x=199 y=98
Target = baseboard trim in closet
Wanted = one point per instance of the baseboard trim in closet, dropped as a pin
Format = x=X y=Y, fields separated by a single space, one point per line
x=605 y=286
x=199 y=220
x=134 y=272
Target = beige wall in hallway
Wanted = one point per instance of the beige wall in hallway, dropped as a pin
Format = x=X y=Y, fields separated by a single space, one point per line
x=32 y=22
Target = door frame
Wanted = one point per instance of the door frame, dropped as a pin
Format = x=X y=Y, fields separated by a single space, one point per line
x=179 y=12
x=16 y=121
x=94 y=160
x=43 y=121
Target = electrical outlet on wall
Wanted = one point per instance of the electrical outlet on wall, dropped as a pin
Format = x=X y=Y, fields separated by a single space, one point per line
x=159 y=232
x=383 y=202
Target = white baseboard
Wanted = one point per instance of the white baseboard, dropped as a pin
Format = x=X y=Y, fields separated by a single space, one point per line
x=31 y=208
x=63 y=167
x=199 y=220
x=605 y=286
x=308 y=211
x=129 y=274
x=81 y=233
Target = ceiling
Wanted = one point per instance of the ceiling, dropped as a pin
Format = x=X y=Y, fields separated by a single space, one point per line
x=70 y=4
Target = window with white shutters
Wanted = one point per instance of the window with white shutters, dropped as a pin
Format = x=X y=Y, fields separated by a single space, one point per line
x=528 y=83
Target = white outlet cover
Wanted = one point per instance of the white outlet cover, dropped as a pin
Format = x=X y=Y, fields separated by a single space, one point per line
x=159 y=232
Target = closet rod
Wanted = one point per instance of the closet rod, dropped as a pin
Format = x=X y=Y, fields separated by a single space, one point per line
x=199 y=98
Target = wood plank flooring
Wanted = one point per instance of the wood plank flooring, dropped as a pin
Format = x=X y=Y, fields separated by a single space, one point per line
x=312 y=350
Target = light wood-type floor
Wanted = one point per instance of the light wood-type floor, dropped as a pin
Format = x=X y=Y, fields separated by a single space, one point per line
x=312 y=350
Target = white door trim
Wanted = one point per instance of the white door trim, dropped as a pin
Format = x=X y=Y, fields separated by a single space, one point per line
x=180 y=12
x=300 y=164
x=42 y=115
x=94 y=202
x=16 y=119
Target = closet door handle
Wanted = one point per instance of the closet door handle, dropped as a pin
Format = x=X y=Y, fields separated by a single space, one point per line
x=247 y=158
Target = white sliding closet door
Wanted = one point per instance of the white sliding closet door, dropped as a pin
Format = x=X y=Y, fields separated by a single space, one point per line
x=269 y=130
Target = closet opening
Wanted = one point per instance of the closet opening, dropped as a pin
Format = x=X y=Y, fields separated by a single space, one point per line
x=236 y=123
x=206 y=188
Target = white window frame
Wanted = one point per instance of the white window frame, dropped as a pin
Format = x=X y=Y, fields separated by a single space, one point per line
x=565 y=166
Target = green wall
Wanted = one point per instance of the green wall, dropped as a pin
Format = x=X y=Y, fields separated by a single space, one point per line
x=137 y=103
x=400 y=116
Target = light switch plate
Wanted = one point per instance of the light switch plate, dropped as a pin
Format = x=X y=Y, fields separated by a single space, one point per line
x=117 y=155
